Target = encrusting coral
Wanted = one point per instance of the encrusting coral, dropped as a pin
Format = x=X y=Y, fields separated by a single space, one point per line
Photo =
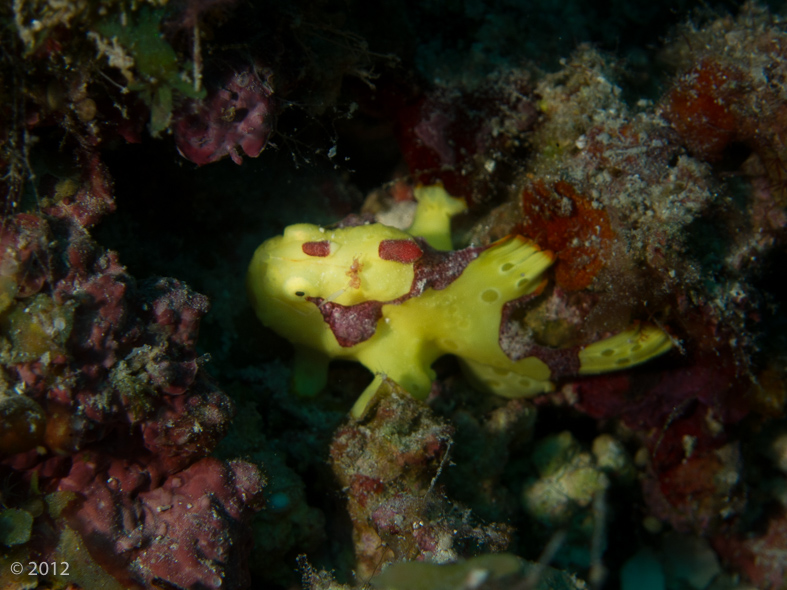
x=106 y=416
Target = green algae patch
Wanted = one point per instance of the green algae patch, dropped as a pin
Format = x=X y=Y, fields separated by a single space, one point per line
x=418 y=575
x=135 y=42
x=57 y=501
x=15 y=526
x=493 y=570
x=22 y=424
x=35 y=328
x=82 y=569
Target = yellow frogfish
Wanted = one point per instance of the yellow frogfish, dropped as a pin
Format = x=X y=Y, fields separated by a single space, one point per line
x=396 y=301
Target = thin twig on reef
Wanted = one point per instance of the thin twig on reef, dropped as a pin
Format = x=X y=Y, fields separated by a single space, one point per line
x=197 y=57
x=440 y=468
x=551 y=548
x=598 y=573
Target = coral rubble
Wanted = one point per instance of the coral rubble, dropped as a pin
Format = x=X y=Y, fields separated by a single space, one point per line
x=389 y=465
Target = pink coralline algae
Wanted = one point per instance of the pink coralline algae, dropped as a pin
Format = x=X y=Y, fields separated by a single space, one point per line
x=105 y=409
x=235 y=118
x=88 y=201
x=185 y=532
x=759 y=555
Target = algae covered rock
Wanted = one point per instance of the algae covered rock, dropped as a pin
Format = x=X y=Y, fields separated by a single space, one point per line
x=501 y=570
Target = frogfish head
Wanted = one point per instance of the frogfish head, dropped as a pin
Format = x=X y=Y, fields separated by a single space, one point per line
x=292 y=274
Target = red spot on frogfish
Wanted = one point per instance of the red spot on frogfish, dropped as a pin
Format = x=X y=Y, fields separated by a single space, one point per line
x=317 y=248
x=404 y=251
